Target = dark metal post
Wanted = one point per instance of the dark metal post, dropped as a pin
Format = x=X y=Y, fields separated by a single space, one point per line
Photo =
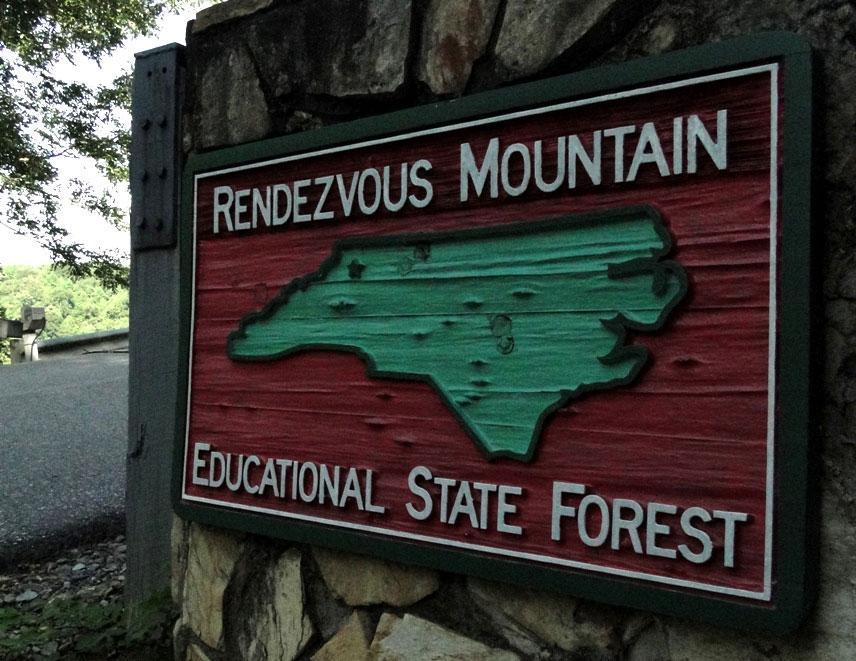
x=155 y=170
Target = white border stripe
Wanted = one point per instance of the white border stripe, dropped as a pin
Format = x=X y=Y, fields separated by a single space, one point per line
x=766 y=593
x=190 y=346
x=771 y=349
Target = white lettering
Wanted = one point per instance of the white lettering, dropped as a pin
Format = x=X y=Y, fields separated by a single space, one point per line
x=591 y=163
x=374 y=175
x=689 y=529
x=480 y=174
x=549 y=187
x=560 y=510
x=387 y=187
x=421 y=182
x=631 y=525
x=678 y=145
x=269 y=478
x=484 y=490
x=308 y=468
x=420 y=472
x=329 y=487
x=281 y=218
x=299 y=199
x=716 y=149
x=582 y=520
x=352 y=489
x=654 y=528
x=347 y=197
x=223 y=208
x=261 y=206
x=241 y=207
x=320 y=214
x=618 y=134
x=504 y=509
x=648 y=150
x=730 y=519
x=218 y=460
x=519 y=189
x=370 y=506
x=199 y=464
x=236 y=484
x=252 y=460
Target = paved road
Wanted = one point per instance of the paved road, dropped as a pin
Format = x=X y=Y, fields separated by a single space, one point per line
x=63 y=431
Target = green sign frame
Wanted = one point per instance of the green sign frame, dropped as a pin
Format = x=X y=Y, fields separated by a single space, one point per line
x=795 y=522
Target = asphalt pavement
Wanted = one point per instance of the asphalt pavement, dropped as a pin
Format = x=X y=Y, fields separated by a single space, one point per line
x=63 y=439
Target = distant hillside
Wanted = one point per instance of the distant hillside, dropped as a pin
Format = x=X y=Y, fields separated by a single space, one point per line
x=71 y=306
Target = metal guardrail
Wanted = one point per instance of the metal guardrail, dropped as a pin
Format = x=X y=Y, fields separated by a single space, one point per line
x=74 y=342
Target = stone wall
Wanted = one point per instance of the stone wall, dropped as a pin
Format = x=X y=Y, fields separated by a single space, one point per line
x=261 y=68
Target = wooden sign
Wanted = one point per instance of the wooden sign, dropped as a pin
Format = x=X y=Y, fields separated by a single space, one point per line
x=556 y=334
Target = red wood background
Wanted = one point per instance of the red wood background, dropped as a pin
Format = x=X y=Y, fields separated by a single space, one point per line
x=690 y=431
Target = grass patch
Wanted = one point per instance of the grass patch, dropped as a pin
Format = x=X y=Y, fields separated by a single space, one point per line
x=71 y=628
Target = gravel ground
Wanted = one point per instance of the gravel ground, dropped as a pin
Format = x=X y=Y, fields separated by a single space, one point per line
x=71 y=607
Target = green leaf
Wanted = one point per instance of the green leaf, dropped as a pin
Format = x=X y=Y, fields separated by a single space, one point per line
x=43 y=118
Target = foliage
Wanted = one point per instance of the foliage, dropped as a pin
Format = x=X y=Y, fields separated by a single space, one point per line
x=91 y=630
x=43 y=119
x=72 y=306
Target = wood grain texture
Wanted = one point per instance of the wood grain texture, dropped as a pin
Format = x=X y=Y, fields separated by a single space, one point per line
x=505 y=323
x=690 y=431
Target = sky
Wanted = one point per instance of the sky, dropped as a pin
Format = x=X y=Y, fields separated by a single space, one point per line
x=83 y=226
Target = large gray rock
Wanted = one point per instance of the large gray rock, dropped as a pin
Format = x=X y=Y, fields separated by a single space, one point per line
x=227 y=11
x=835 y=615
x=536 y=32
x=361 y=581
x=328 y=613
x=267 y=615
x=254 y=73
x=371 y=57
x=517 y=636
x=411 y=637
x=454 y=35
x=196 y=653
x=558 y=620
x=180 y=636
x=211 y=558
x=702 y=643
x=231 y=106
x=350 y=642
x=281 y=45
x=662 y=37
x=841 y=315
x=649 y=644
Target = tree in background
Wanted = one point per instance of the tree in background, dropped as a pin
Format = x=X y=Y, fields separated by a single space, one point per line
x=43 y=118
x=72 y=306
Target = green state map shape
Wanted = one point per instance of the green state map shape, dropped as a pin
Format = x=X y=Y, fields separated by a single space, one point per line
x=507 y=323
